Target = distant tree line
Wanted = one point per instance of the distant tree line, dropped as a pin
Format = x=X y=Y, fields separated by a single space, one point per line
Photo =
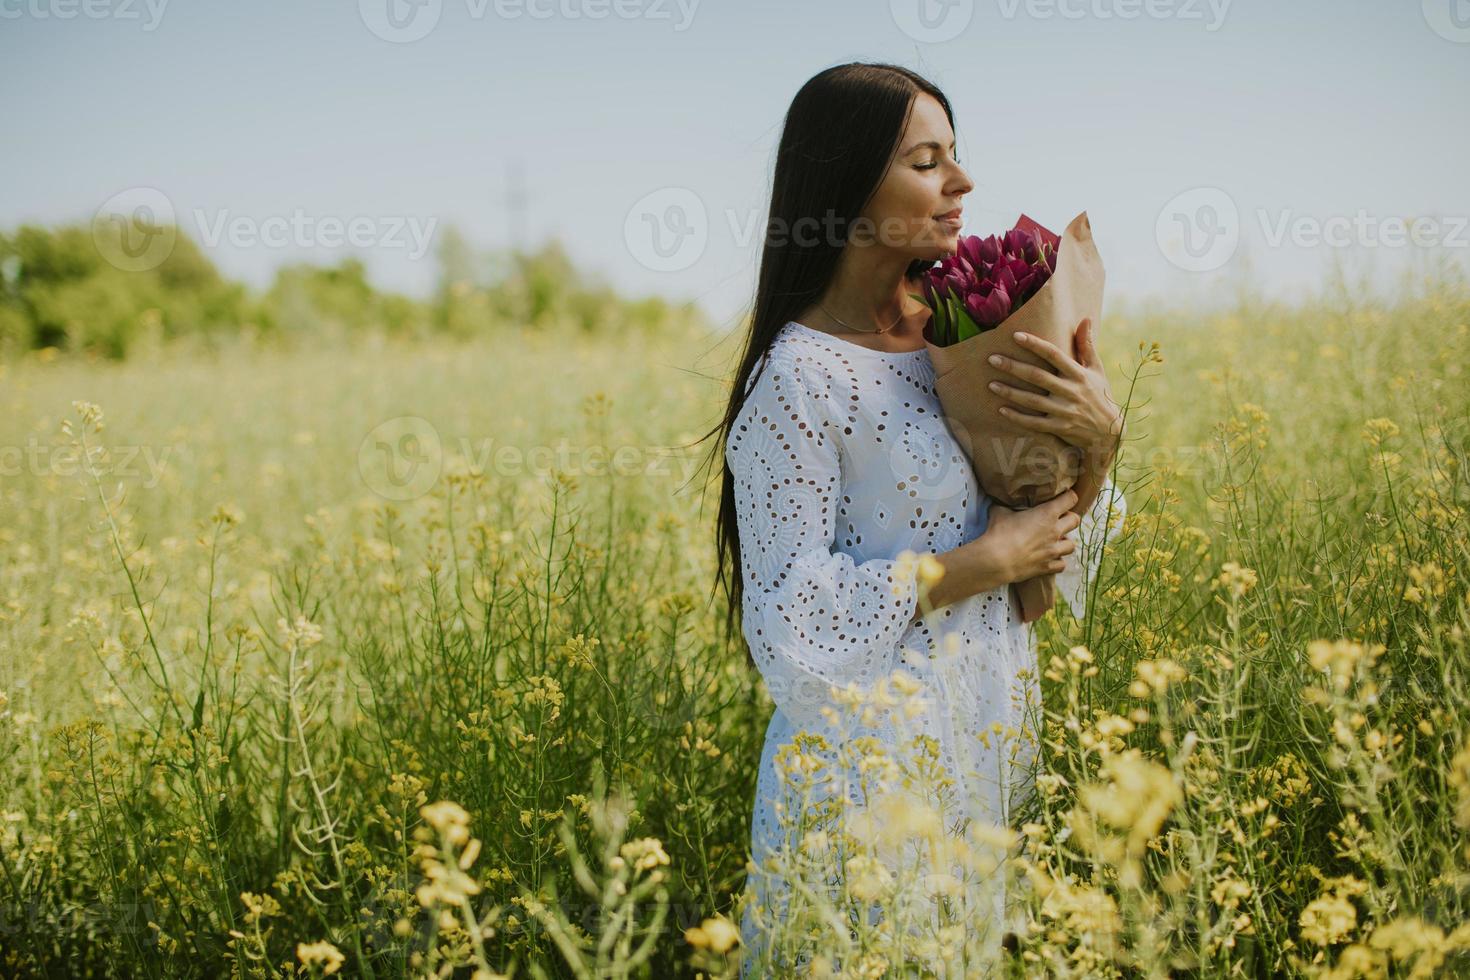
x=81 y=288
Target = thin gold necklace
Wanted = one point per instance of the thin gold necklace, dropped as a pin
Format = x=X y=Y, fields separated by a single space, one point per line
x=855 y=329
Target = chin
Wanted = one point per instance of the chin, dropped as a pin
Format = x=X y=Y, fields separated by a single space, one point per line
x=946 y=244
x=942 y=248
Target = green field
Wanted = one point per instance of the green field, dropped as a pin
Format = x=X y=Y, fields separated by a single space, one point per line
x=345 y=645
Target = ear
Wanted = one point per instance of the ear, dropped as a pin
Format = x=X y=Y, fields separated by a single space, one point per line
x=1084 y=342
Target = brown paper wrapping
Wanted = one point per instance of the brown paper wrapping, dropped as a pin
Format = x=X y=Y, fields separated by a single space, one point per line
x=1015 y=465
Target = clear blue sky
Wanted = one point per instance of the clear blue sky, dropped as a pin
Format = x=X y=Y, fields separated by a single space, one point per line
x=250 y=111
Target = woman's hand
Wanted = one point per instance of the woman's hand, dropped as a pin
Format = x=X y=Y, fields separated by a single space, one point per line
x=1031 y=542
x=1017 y=545
x=1078 y=406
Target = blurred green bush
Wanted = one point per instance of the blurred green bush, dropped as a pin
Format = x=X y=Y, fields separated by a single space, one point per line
x=73 y=288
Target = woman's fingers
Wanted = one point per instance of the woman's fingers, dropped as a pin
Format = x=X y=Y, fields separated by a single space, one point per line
x=1040 y=377
x=1064 y=501
x=1087 y=343
x=1037 y=423
x=1065 y=364
x=1026 y=399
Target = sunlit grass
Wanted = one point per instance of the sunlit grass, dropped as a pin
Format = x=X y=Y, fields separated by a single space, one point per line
x=263 y=714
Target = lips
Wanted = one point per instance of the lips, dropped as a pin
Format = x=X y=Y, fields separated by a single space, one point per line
x=950 y=215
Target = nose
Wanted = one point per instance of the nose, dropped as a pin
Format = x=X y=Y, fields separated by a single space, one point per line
x=961 y=184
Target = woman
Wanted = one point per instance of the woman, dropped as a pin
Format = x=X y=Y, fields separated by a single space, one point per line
x=838 y=459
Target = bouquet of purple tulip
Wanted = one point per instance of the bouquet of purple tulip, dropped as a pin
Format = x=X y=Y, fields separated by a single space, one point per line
x=987 y=279
x=1035 y=282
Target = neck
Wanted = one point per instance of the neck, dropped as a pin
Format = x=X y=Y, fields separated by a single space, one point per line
x=869 y=291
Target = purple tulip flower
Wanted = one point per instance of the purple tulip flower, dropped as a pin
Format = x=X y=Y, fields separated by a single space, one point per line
x=990 y=277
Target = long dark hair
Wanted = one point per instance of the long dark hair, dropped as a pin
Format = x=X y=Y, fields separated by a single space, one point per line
x=840 y=136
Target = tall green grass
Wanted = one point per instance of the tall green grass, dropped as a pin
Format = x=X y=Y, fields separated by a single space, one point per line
x=266 y=713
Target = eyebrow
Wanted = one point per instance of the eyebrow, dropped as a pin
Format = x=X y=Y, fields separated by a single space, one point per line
x=928 y=145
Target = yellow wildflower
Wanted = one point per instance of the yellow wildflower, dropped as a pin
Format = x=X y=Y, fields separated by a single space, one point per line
x=645 y=853
x=322 y=954
x=1236 y=578
x=716 y=934
x=1377 y=431
x=1328 y=920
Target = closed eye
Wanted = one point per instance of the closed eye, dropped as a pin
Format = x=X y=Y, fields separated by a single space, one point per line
x=931 y=166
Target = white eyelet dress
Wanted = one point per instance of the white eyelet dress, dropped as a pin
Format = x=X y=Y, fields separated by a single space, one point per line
x=841 y=461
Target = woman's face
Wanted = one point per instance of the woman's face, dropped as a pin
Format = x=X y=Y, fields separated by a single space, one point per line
x=916 y=208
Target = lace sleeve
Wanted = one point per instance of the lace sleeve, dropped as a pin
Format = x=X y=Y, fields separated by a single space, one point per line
x=813 y=617
x=1098 y=526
